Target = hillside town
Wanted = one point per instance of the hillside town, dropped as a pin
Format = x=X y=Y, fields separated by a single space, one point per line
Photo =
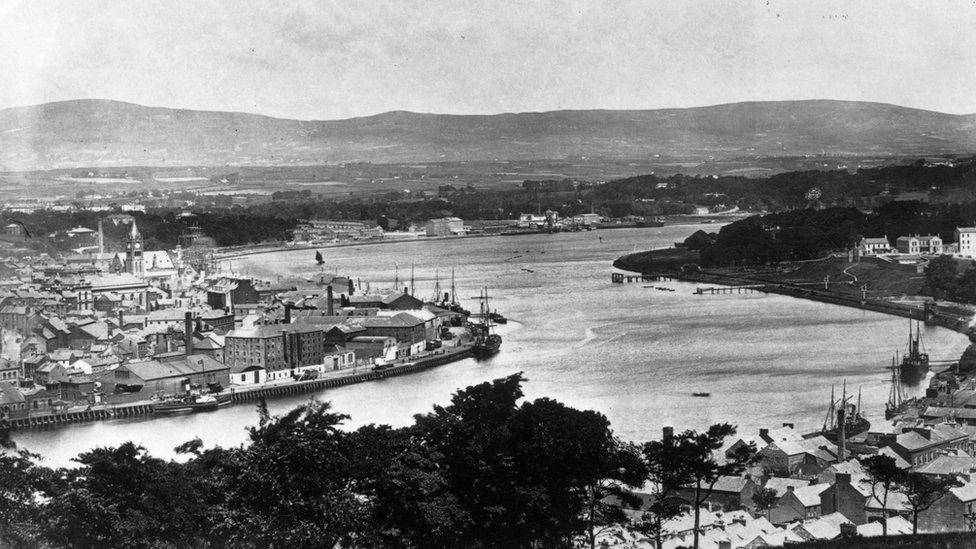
x=100 y=329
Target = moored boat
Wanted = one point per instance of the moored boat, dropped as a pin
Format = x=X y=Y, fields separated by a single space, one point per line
x=854 y=422
x=190 y=403
x=915 y=364
x=486 y=341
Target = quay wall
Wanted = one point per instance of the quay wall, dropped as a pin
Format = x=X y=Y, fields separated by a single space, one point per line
x=239 y=395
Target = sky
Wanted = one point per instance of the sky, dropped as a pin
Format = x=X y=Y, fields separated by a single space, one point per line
x=328 y=60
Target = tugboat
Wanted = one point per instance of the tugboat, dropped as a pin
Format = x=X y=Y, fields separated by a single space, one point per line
x=486 y=341
x=497 y=317
x=915 y=364
x=854 y=422
x=190 y=402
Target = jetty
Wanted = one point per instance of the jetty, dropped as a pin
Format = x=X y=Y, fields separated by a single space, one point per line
x=246 y=394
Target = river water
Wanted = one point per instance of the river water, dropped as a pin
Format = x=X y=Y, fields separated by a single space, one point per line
x=634 y=353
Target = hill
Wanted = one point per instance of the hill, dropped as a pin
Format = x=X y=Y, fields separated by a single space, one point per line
x=111 y=133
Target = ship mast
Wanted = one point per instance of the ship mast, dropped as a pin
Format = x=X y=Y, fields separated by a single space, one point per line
x=829 y=420
x=412 y=282
x=396 y=277
x=437 y=286
x=453 y=289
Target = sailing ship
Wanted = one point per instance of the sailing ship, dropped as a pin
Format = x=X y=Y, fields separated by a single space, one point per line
x=486 y=341
x=854 y=422
x=915 y=364
x=897 y=403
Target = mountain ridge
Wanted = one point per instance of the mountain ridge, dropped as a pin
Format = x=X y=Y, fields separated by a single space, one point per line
x=100 y=132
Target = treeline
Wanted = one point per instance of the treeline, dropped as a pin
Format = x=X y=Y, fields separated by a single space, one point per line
x=484 y=471
x=864 y=188
x=161 y=229
x=809 y=234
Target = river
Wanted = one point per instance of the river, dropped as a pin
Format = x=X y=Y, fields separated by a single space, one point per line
x=634 y=353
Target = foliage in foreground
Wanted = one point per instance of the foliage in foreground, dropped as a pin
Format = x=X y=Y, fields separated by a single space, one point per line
x=483 y=471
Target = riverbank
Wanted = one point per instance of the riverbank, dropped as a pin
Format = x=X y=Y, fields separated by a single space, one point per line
x=244 y=394
x=869 y=285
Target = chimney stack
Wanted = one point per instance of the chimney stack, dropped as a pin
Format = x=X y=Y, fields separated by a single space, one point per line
x=287 y=313
x=330 y=306
x=188 y=332
x=668 y=435
x=121 y=319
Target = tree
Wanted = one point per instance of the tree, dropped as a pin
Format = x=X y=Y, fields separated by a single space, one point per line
x=764 y=499
x=294 y=485
x=884 y=474
x=966 y=289
x=665 y=474
x=696 y=452
x=922 y=491
x=940 y=276
x=318 y=257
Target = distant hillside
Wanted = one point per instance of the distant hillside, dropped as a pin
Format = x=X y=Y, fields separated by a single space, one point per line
x=107 y=133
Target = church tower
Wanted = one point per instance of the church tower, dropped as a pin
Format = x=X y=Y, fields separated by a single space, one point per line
x=133 y=252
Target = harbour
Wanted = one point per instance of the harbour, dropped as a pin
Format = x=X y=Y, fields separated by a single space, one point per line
x=645 y=351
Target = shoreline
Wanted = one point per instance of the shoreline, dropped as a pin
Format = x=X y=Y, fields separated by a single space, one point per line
x=928 y=312
x=146 y=410
x=236 y=252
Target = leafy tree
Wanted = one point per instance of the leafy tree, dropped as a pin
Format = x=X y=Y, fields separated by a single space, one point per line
x=764 y=499
x=122 y=497
x=884 y=475
x=697 y=452
x=940 y=276
x=292 y=486
x=318 y=257
x=922 y=491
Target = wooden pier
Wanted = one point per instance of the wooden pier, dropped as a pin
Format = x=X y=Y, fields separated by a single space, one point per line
x=620 y=278
x=731 y=289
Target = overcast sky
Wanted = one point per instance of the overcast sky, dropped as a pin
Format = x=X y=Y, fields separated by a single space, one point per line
x=323 y=60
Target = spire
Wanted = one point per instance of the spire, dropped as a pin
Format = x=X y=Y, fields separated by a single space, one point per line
x=134 y=233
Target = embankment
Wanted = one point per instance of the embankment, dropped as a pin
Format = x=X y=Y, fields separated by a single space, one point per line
x=683 y=265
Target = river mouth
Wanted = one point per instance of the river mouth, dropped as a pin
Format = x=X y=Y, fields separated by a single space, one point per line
x=633 y=353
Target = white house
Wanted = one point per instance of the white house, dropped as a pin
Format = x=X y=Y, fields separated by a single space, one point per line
x=916 y=244
x=874 y=246
x=966 y=240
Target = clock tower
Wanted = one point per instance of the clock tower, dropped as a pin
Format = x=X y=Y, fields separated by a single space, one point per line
x=133 y=252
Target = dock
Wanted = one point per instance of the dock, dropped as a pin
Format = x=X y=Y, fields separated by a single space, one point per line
x=244 y=394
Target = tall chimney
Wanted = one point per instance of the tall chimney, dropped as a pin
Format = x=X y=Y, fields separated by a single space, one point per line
x=330 y=306
x=121 y=319
x=188 y=332
x=287 y=313
x=842 y=435
x=668 y=435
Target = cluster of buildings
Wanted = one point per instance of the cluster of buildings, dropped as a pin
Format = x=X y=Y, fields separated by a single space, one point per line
x=821 y=491
x=86 y=330
x=914 y=244
x=325 y=230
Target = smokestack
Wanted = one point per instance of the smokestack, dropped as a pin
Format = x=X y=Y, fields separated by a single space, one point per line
x=188 y=332
x=330 y=306
x=667 y=435
x=842 y=436
x=287 y=313
x=351 y=288
x=121 y=320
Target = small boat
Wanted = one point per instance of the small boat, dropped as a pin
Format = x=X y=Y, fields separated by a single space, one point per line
x=191 y=403
x=701 y=394
x=497 y=318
